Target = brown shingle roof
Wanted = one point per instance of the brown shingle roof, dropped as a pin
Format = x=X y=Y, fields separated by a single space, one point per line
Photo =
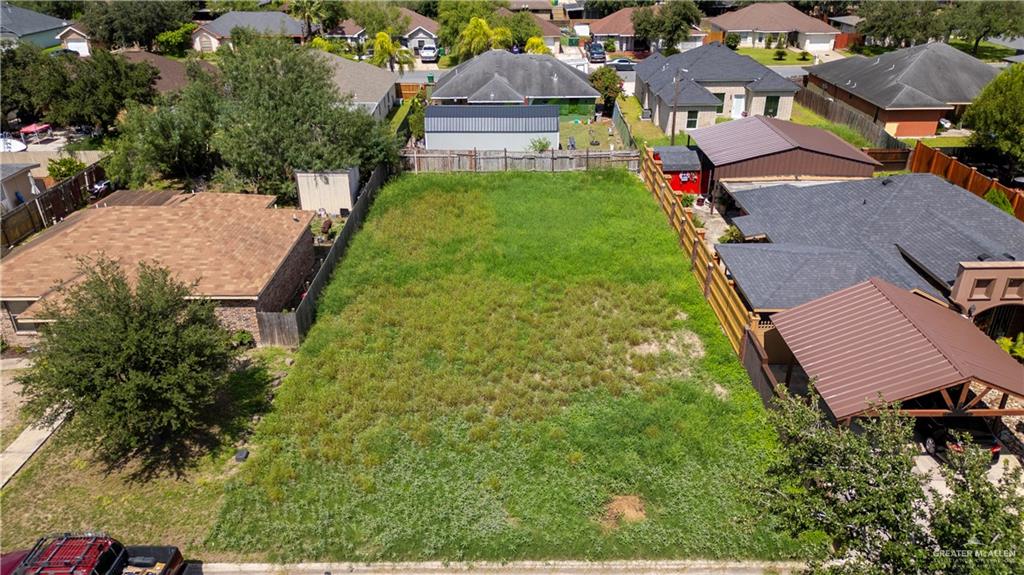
x=875 y=340
x=771 y=17
x=173 y=73
x=547 y=27
x=618 y=23
x=350 y=27
x=229 y=243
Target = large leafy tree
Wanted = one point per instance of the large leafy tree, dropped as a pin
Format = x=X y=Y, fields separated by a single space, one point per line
x=135 y=364
x=96 y=89
x=521 y=25
x=668 y=23
x=320 y=13
x=478 y=37
x=975 y=21
x=171 y=139
x=608 y=83
x=902 y=23
x=389 y=52
x=63 y=9
x=376 y=17
x=281 y=113
x=602 y=8
x=997 y=115
x=454 y=15
x=24 y=67
x=132 y=22
x=536 y=45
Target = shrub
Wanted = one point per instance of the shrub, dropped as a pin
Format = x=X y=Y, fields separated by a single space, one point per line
x=1014 y=347
x=176 y=42
x=780 y=54
x=697 y=222
x=732 y=235
x=609 y=45
x=997 y=198
x=242 y=339
x=686 y=200
x=64 y=167
x=805 y=56
x=732 y=40
x=540 y=144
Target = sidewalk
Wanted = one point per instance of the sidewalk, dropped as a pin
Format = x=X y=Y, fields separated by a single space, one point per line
x=23 y=448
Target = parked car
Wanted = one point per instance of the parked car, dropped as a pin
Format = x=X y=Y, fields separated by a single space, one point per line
x=595 y=52
x=622 y=64
x=428 y=54
x=63 y=52
x=939 y=436
x=93 y=553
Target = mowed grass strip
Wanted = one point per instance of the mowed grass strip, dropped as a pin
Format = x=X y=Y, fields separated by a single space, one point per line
x=509 y=366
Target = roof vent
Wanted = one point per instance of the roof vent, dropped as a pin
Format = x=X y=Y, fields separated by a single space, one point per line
x=1009 y=256
x=982 y=257
x=886 y=181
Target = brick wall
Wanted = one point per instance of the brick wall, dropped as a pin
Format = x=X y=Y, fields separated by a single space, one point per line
x=290 y=278
x=12 y=338
x=238 y=315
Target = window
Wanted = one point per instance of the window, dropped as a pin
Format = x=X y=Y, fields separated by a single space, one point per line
x=691 y=119
x=982 y=289
x=771 y=106
x=721 y=103
x=1014 y=289
x=760 y=38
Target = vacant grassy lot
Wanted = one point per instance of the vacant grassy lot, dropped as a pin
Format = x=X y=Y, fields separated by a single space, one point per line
x=509 y=366
x=802 y=115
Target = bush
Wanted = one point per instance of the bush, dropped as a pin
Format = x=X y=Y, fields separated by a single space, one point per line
x=732 y=40
x=780 y=54
x=64 y=167
x=805 y=56
x=176 y=42
x=732 y=235
x=697 y=222
x=540 y=144
x=997 y=198
x=686 y=200
x=242 y=339
x=609 y=45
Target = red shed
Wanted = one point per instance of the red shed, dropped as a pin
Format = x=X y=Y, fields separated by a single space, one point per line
x=681 y=166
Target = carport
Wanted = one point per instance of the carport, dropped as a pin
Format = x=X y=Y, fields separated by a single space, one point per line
x=874 y=342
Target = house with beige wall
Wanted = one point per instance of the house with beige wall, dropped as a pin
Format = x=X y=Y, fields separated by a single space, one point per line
x=703 y=84
x=17 y=185
x=210 y=36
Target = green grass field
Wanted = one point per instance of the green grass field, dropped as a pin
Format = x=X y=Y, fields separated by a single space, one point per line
x=643 y=131
x=501 y=365
x=766 y=57
x=941 y=141
x=802 y=115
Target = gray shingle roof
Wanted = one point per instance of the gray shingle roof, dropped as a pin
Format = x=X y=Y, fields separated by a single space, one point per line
x=22 y=22
x=677 y=158
x=367 y=84
x=848 y=20
x=269 y=23
x=933 y=75
x=528 y=75
x=709 y=63
x=497 y=91
x=491 y=119
x=9 y=170
x=851 y=231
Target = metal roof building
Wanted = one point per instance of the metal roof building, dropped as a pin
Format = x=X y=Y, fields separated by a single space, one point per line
x=489 y=127
x=499 y=76
x=874 y=342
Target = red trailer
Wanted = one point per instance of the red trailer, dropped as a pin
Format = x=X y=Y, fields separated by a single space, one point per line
x=681 y=166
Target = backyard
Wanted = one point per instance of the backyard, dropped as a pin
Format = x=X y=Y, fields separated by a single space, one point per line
x=802 y=115
x=643 y=131
x=602 y=132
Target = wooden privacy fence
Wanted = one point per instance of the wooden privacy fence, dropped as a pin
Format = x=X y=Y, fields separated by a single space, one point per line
x=417 y=160
x=288 y=328
x=930 y=160
x=755 y=361
x=718 y=289
x=49 y=207
x=833 y=110
x=892 y=159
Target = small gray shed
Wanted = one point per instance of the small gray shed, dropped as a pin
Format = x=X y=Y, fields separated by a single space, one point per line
x=489 y=127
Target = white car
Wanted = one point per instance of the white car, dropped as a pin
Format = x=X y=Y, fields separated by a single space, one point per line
x=428 y=54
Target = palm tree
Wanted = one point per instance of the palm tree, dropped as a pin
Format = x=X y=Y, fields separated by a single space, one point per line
x=475 y=39
x=536 y=45
x=309 y=11
x=387 y=51
x=501 y=38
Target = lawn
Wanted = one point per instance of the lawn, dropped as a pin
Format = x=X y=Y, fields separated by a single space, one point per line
x=940 y=141
x=802 y=115
x=603 y=132
x=510 y=366
x=643 y=131
x=987 y=51
x=766 y=56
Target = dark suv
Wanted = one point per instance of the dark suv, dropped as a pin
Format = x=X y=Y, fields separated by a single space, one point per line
x=595 y=53
x=939 y=435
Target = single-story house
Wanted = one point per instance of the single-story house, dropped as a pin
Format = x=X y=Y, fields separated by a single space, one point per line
x=916 y=231
x=421 y=32
x=16 y=185
x=209 y=36
x=76 y=38
x=710 y=81
x=40 y=174
x=540 y=8
x=173 y=73
x=846 y=24
x=765 y=148
x=878 y=326
x=760 y=25
x=490 y=127
x=371 y=88
x=501 y=77
x=24 y=25
x=618 y=26
x=241 y=254
x=907 y=90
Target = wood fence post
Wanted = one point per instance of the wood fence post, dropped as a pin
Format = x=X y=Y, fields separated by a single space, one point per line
x=931 y=165
x=506 y=159
x=475 y=167
x=970 y=178
x=707 y=276
x=949 y=168
x=552 y=160
x=588 y=150
x=415 y=162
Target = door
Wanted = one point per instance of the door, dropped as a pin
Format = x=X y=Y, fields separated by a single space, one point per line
x=771 y=106
x=739 y=104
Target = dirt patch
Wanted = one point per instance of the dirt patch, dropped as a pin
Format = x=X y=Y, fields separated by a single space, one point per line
x=680 y=343
x=623 y=509
x=720 y=392
x=682 y=348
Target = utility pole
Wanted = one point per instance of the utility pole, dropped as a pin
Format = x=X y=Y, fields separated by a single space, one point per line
x=675 y=102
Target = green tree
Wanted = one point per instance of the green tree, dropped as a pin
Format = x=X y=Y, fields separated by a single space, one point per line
x=997 y=116
x=281 y=112
x=63 y=167
x=171 y=139
x=97 y=88
x=22 y=92
x=63 y=9
x=501 y=38
x=176 y=42
x=975 y=21
x=667 y=24
x=320 y=13
x=521 y=25
x=902 y=23
x=454 y=15
x=137 y=366
x=389 y=52
x=608 y=83
x=1014 y=346
x=376 y=17
x=219 y=7
x=857 y=488
x=536 y=45
x=997 y=198
x=982 y=518
x=732 y=40
x=128 y=23
x=602 y=8
x=476 y=38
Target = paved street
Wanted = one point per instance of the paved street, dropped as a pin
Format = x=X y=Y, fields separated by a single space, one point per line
x=511 y=568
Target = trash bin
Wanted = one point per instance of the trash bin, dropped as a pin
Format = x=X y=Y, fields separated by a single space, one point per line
x=430 y=78
x=574 y=40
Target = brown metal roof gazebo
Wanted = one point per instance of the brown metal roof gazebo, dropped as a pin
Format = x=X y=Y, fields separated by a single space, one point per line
x=874 y=342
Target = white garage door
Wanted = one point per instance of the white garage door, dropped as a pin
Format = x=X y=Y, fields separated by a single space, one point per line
x=817 y=43
x=80 y=46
